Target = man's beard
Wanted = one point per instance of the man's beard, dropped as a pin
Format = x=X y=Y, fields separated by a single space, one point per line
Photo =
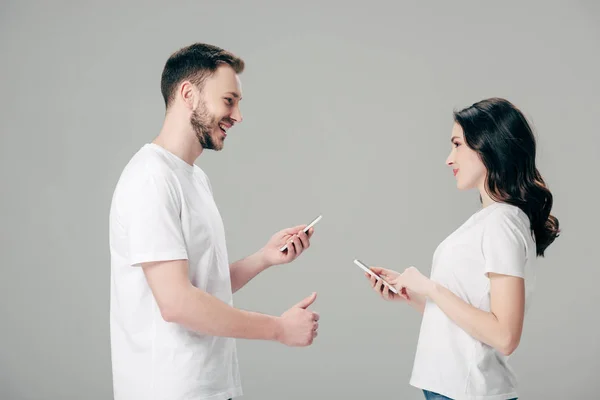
x=204 y=125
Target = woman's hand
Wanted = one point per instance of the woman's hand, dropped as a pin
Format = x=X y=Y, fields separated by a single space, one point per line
x=414 y=281
x=383 y=290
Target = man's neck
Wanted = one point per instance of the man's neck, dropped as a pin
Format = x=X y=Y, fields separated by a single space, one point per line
x=176 y=138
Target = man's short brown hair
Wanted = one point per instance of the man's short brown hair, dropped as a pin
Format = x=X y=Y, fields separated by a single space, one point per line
x=195 y=63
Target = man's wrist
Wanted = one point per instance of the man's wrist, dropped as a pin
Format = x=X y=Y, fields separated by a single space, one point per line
x=277 y=329
x=260 y=260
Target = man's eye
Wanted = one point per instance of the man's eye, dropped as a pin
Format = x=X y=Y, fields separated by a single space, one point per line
x=229 y=100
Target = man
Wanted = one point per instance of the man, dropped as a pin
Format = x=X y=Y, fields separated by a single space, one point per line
x=173 y=326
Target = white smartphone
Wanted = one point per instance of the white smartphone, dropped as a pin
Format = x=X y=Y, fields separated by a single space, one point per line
x=284 y=248
x=367 y=270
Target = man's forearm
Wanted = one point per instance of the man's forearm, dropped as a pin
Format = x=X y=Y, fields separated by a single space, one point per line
x=244 y=270
x=201 y=312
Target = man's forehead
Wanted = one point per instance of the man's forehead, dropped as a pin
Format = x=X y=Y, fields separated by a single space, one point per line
x=238 y=87
x=226 y=80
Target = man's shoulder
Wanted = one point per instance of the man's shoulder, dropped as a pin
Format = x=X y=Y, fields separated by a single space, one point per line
x=146 y=172
x=148 y=175
x=145 y=164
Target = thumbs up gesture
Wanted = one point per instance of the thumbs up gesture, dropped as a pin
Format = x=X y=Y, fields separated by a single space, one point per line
x=298 y=325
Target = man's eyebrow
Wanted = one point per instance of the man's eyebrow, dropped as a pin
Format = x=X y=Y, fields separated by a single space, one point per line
x=234 y=94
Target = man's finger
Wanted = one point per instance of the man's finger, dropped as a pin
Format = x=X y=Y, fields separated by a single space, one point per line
x=304 y=239
x=298 y=245
x=293 y=230
x=307 y=301
x=291 y=250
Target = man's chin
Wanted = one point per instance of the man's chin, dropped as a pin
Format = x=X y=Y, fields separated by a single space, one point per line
x=214 y=144
x=218 y=141
x=218 y=144
x=214 y=147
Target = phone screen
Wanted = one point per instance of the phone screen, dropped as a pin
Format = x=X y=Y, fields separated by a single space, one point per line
x=366 y=269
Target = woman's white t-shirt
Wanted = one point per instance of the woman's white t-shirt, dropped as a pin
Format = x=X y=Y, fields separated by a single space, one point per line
x=448 y=360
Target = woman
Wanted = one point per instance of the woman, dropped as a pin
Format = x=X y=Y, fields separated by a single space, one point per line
x=482 y=275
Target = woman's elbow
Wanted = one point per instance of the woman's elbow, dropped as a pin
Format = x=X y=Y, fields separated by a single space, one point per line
x=509 y=344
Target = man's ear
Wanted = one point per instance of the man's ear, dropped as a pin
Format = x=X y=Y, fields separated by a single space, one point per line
x=188 y=93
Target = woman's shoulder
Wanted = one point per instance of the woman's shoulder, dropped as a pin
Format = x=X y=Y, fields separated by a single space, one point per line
x=509 y=219
x=506 y=211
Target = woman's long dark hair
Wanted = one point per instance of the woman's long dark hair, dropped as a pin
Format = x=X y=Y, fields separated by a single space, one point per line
x=500 y=134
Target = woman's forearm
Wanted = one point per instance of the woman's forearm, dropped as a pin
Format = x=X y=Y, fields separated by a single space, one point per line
x=417 y=301
x=482 y=325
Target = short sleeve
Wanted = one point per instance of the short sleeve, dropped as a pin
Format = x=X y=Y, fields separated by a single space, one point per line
x=504 y=246
x=153 y=222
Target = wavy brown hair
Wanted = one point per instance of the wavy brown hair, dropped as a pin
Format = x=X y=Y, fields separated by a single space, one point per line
x=499 y=132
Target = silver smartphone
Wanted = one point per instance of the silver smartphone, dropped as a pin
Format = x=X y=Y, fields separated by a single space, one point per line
x=314 y=221
x=373 y=274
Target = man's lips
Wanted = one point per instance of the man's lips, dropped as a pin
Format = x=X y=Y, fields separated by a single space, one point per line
x=224 y=126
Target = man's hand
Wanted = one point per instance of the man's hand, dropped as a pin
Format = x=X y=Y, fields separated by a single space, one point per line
x=298 y=326
x=244 y=270
x=297 y=242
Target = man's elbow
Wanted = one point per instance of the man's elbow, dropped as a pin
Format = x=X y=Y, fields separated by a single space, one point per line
x=169 y=313
x=170 y=287
x=172 y=309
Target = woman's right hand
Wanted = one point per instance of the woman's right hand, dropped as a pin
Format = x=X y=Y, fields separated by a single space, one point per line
x=382 y=289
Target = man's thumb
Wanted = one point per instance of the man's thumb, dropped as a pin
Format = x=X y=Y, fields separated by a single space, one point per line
x=307 y=301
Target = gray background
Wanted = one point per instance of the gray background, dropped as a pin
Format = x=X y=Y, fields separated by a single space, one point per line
x=347 y=113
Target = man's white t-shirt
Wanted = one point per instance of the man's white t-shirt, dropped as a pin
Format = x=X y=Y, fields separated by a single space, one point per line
x=163 y=209
x=448 y=360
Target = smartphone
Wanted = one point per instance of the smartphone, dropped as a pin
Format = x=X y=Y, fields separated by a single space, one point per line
x=314 y=221
x=367 y=270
